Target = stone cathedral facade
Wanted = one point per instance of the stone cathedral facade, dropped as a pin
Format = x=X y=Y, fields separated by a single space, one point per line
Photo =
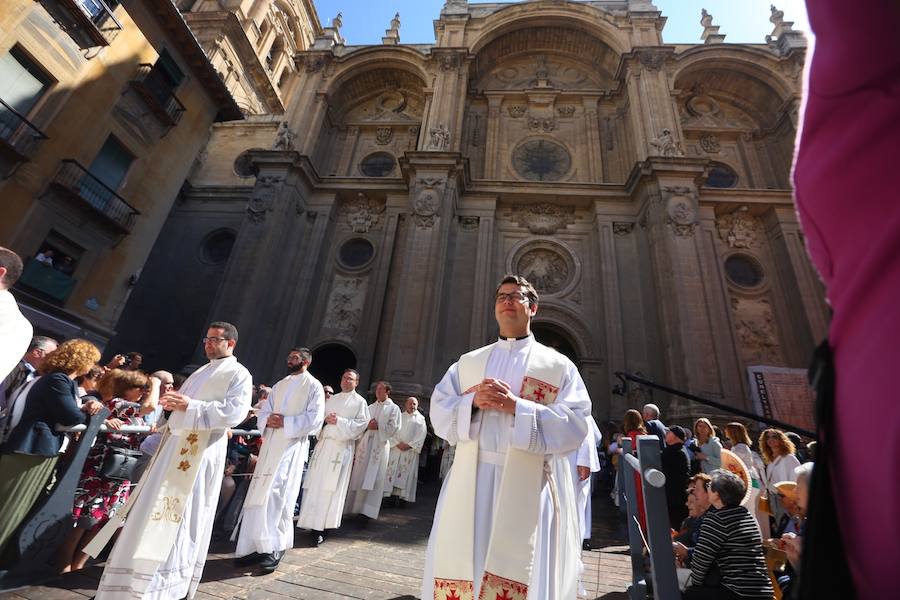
x=643 y=187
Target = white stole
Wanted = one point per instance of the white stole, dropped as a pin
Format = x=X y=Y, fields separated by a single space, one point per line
x=165 y=517
x=510 y=555
x=290 y=402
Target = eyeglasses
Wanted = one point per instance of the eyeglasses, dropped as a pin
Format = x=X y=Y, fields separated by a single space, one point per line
x=329 y=393
x=213 y=339
x=502 y=298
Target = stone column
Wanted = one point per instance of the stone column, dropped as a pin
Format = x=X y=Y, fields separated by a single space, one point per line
x=670 y=217
x=614 y=352
x=266 y=255
x=483 y=276
x=434 y=180
x=447 y=99
x=652 y=106
x=592 y=130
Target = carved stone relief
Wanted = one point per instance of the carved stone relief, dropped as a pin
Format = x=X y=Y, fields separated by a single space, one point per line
x=469 y=223
x=544 y=218
x=546 y=269
x=383 y=136
x=566 y=111
x=345 y=304
x=262 y=200
x=739 y=229
x=682 y=211
x=427 y=203
x=362 y=213
x=620 y=228
x=284 y=137
x=516 y=111
x=756 y=331
x=541 y=125
x=709 y=142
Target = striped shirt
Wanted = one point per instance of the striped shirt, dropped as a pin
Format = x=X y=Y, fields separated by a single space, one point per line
x=730 y=539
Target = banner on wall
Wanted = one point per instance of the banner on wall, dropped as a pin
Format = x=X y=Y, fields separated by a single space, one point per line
x=783 y=394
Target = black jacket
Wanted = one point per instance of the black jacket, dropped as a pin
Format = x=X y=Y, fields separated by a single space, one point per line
x=676 y=467
x=51 y=401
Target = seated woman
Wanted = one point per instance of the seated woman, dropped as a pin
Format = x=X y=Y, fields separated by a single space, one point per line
x=128 y=395
x=28 y=457
x=730 y=540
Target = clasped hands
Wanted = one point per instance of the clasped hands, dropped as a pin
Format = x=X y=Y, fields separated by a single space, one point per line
x=331 y=418
x=174 y=401
x=495 y=394
x=275 y=421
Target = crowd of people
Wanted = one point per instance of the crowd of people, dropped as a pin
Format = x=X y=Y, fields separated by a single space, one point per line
x=733 y=510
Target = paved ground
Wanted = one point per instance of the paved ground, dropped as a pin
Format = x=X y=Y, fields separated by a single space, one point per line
x=383 y=561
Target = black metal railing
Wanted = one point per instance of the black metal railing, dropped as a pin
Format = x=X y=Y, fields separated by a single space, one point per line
x=624 y=376
x=82 y=184
x=158 y=94
x=17 y=132
x=89 y=23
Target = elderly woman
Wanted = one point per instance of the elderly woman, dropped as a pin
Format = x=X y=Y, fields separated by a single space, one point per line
x=29 y=455
x=709 y=448
x=778 y=454
x=729 y=539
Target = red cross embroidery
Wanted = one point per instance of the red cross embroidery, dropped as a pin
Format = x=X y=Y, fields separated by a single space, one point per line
x=538 y=393
x=505 y=596
x=452 y=595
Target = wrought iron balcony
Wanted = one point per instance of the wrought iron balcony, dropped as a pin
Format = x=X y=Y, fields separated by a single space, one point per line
x=18 y=136
x=158 y=94
x=89 y=23
x=81 y=185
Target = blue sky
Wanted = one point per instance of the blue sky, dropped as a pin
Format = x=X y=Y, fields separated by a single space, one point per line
x=740 y=20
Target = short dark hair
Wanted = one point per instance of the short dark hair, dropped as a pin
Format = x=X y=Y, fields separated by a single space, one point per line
x=305 y=354
x=728 y=486
x=229 y=331
x=520 y=281
x=10 y=261
x=354 y=371
x=133 y=355
x=386 y=385
x=41 y=342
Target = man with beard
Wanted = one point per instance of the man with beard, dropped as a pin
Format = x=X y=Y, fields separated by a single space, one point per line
x=293 y=410
x=161 y=551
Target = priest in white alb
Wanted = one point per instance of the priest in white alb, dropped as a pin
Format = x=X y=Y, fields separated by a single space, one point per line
x=325 y=484
x=406 y=446
x=506 y=524
x=162 y=548
x=293 y=410
x=372 y=451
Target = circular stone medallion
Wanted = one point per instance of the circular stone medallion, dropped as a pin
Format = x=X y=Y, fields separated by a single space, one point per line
x=541 y=160
x=546 y=269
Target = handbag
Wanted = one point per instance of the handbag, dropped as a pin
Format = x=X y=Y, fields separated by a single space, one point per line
x=119 y=463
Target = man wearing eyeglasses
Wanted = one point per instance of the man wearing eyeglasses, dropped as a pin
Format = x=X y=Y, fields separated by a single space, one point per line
x=162 y=549
x=505 y=524
x=293 y=410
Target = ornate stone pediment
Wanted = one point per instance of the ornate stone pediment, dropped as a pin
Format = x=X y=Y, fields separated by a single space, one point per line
x=545 y=218
x=427 y=203
x=362 y=213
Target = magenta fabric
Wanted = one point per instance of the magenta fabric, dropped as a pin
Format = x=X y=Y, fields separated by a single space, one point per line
x=847 y=180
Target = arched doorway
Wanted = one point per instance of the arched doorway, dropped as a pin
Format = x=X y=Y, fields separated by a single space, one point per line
x=556 y=338
x=329 y=362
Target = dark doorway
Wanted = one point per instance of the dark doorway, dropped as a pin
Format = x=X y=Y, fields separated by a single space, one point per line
x=554 y=337
x=329 y=362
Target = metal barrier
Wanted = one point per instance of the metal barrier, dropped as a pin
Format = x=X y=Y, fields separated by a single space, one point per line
x=35 y=543
x=658 y=540
x=32 y=548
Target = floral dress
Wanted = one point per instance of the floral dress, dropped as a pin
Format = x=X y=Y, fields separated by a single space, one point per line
x=97 y=499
